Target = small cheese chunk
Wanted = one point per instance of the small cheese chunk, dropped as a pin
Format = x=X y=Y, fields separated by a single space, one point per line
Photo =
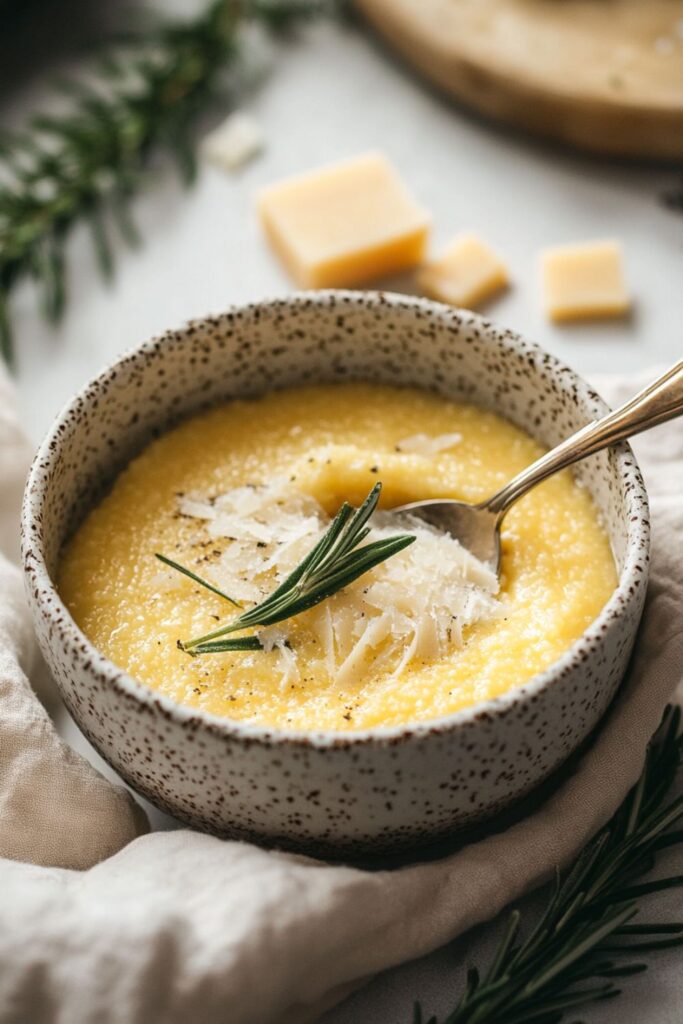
x=423 y=445
x=234 y=142
x=345 y=224
x=584 y=281
x=467 y=273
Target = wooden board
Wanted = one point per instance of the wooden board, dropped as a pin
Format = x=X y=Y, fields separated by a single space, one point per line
x=603 y=75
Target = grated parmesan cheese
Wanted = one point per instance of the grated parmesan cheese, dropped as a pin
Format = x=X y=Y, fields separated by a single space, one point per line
x=413 y=607
x=423 y=445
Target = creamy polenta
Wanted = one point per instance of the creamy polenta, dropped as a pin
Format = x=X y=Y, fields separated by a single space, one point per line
x=330 y=443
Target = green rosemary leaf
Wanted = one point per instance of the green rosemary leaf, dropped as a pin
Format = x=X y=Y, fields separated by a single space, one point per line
x=587 y=942
x=636 y=801
x=642 y=947
x=8 y=142
x=329 y=566
x=640 y=839
x=672 y=739
x=236 y=643
x=472 y=982
x=577 y=901
x=563 y=1003
x=627 y=971
x=279 y=15
x=502 y=957
x=101 y=245
x=6 y=347
x=540 y=932
x=182 y=150
x=585 y=933
x=119 y=206
x=634 y=892
x=650 y=929
x=111 y=67
x=351 y=536
x=662 y=821
x=673 y=838
x=200 y=641
x=197 y=579
x=49 y=269
x=356 y=563
x=66 y=129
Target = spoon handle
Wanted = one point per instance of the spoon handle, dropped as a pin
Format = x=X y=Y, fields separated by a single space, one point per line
x=660 y=401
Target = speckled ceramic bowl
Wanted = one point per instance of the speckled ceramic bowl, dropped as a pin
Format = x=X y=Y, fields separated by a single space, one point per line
x=359 y=791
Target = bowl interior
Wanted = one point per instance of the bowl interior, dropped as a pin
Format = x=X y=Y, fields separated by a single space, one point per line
x=317 y=337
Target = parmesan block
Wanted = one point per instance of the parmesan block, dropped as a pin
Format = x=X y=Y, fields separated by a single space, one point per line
x=345 y=224
x=584 y=281
x=466 y=274
x=234 y=142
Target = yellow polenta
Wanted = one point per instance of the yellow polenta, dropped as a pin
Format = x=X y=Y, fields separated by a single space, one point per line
x=557 y=569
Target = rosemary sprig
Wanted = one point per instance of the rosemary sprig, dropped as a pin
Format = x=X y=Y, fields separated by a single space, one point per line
x=585 y=939
x=145 y=95
x=338 y=558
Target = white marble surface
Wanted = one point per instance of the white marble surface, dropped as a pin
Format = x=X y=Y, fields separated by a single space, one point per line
x=333 y=93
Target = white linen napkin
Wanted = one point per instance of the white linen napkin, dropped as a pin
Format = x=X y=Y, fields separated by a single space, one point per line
x=179 y=926
x=55 y=809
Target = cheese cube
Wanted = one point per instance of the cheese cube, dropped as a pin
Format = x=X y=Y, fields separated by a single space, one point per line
x=345 y=224
x=468 y=272
x=584 y=281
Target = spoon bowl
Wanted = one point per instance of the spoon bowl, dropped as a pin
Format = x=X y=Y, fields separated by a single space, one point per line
x=476 y=527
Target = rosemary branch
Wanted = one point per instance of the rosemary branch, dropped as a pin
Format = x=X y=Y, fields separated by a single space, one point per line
x=338 y=558
x=585 y=939
x=78 y=166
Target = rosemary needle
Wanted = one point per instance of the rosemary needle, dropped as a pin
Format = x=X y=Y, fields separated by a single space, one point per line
x=336 y=560
x=198 y=579
x=585 y=940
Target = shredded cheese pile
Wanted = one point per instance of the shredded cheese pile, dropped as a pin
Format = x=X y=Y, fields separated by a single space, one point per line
x=412 y=608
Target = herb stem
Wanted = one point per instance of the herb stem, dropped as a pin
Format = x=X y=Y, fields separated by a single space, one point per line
x=586 y=932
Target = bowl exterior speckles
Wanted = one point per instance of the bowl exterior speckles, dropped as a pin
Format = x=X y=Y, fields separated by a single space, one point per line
x=332 y=792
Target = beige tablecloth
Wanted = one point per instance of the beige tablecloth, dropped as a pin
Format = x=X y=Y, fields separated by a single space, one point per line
x=102 y=924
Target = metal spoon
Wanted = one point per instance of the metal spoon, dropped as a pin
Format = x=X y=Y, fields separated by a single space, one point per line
x=477 y=527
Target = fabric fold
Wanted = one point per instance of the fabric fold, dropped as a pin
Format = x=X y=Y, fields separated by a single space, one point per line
x=55 y=808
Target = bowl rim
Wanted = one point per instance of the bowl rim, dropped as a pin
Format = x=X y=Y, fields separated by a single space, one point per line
x=43 y=590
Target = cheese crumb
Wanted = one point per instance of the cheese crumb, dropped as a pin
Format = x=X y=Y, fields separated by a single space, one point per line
x=584 y=281
x=423 y=445
x=236 y=141
x=467 y=273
